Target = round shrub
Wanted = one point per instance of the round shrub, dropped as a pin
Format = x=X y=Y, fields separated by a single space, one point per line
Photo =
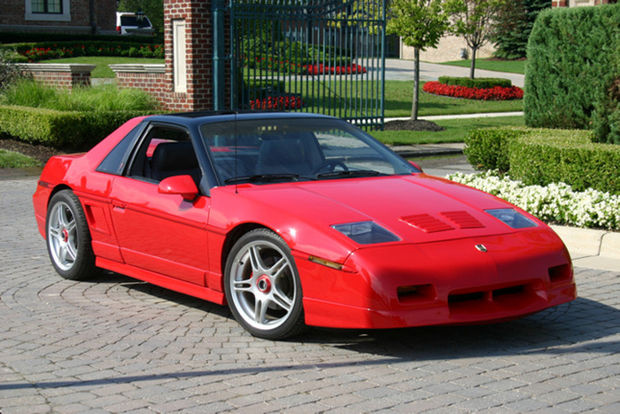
x=476 y=82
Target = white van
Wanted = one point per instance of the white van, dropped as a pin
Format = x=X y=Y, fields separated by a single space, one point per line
x=128 y=23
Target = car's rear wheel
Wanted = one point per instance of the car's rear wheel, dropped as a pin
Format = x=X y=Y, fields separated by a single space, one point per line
x=262 y=286
x=68 y=237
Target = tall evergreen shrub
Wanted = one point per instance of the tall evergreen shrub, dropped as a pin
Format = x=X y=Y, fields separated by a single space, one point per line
x=514 y=25
x=572 y=67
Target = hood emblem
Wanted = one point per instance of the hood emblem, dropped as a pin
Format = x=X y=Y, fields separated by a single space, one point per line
x=481 y=248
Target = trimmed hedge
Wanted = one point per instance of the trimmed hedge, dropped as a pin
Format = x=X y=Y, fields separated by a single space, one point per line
x=60 y=129
x=486 y=149
x=543 y=156
x=23 y=37
x=572 y=65
x=36 y=51
x=481 y=83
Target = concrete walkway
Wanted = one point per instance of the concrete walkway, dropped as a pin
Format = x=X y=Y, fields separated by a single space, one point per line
x=459 y=116
x=398 y=69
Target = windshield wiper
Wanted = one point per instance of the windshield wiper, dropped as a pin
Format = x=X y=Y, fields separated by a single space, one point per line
x=349 y=173
x=261 y=177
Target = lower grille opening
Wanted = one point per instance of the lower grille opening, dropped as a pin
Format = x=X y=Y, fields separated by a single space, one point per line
x=465 y=297
x=513 y=290
x=491 y=299
x=560 y=273
x=415 y=293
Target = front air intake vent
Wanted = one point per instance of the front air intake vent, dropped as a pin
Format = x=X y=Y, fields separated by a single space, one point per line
x=462 y=219
x=426 y=223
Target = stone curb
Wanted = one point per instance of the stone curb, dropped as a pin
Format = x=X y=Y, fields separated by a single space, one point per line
x=428 y=150
x=597 y=249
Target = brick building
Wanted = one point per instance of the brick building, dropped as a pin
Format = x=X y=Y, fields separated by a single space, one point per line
x=78 y=16
x=579 y=3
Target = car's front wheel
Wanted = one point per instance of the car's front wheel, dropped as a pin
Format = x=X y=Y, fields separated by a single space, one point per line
x=262 y=286
x=68 y=237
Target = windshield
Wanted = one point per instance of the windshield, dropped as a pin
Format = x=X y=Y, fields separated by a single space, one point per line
x=296 y=149
x=129 y=20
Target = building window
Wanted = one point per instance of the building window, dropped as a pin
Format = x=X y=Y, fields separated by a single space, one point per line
x=47 y=6
x=48 y=10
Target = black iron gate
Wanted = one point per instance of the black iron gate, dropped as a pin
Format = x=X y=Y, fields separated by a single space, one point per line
x=323 y=56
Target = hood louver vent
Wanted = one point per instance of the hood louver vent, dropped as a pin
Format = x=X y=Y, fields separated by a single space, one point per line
x=462 y=219
x=426 y=223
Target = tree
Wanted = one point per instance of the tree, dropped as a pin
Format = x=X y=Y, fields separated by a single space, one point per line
x=420 y=24
x=473 y=19
x=153 y=9
x=513 y=25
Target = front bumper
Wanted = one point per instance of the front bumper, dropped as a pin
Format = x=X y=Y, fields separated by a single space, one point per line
x=448 y=282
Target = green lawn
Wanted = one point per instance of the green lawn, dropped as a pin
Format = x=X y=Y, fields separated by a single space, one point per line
x=398 y=96
x=512 y=66
x=455 y=131
x=11 y=159
x=103 y=70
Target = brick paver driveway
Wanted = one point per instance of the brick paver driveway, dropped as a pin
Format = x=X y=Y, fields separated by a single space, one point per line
x=119 y=345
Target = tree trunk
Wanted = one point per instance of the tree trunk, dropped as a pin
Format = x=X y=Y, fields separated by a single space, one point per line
x=416 y=84
x=473 y=63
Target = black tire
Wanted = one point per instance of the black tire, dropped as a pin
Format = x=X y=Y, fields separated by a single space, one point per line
x=68 y=238
x=267 y=297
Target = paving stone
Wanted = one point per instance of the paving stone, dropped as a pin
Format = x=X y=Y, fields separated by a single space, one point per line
x=118 y=345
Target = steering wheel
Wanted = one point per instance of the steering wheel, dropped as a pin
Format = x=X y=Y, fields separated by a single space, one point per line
x=333 y=163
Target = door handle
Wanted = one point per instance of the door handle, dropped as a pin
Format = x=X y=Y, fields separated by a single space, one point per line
x=118 y=205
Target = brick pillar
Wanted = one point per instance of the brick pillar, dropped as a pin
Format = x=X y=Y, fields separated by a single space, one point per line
x=199 y=51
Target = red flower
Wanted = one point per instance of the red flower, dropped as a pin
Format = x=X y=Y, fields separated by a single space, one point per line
x=497 y=93
x=277 y=102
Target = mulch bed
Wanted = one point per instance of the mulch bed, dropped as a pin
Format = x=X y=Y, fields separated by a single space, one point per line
x=411 y=125
x=38 y=152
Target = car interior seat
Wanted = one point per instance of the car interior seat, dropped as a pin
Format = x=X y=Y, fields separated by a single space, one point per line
x=289 y=154
x=174 y=158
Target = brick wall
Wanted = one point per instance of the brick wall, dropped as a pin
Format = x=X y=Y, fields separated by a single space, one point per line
x=60 y=75
x=199 y=51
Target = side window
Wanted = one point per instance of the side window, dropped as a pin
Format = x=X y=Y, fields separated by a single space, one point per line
x=165 y=152
x=114 y=162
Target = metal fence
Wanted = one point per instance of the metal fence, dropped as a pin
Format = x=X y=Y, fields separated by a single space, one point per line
x=323 y=56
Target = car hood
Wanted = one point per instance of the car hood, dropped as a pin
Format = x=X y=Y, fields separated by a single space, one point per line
x=417 y=208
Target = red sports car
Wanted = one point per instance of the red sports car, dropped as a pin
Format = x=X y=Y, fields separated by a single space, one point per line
x=294 y=220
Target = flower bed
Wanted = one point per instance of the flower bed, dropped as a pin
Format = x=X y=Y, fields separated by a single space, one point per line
x=291 y=101
x=496 y=93
x=556 y=203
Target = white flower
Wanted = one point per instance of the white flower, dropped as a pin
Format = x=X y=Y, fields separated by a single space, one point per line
x=556 y=202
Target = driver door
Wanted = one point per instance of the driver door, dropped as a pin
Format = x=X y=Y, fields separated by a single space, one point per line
x=162 y=233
